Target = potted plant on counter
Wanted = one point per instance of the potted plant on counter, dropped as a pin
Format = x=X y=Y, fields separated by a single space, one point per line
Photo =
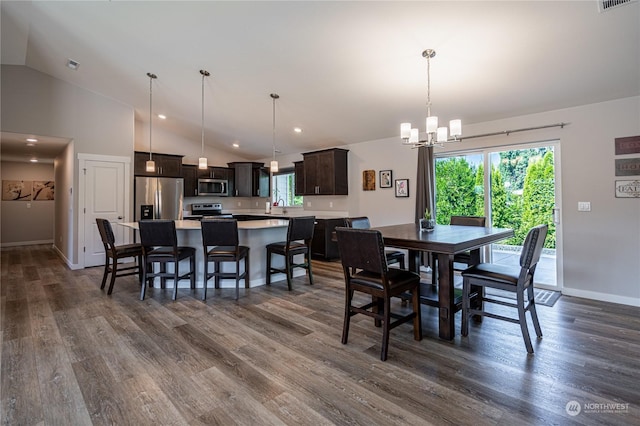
x=427 y=223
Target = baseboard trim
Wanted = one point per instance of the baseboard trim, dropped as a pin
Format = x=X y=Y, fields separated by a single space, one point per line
x=26 y=243
x=602 y=297
x=70 y=264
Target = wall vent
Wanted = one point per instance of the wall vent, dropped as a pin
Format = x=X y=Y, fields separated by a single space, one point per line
x=604 y=5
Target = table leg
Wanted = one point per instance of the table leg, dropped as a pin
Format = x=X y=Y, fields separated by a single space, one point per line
x=446 y=296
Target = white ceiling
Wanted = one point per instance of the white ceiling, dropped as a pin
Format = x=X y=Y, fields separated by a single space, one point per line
x=346 y=72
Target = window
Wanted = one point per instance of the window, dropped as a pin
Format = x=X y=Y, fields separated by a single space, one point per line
x=283 y=184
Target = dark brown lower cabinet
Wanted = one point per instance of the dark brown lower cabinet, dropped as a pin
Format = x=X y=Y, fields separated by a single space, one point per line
x=323 y=245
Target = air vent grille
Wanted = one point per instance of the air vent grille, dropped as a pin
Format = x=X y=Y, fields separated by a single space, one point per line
x=604 y=5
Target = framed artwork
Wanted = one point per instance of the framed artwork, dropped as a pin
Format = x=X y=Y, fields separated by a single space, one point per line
x=402 y=187
x=369 y=180
x=385 y=179
x=43 y=190
x=16 y=190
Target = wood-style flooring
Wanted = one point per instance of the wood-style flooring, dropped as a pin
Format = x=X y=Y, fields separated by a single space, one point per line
x=71 y=355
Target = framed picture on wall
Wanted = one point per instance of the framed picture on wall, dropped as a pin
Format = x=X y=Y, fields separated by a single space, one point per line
x=369 y=180
x=385 y=179
x=402 y=187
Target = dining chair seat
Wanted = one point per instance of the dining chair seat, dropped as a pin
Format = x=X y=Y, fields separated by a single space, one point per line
x=113 y=253
x=514 y=279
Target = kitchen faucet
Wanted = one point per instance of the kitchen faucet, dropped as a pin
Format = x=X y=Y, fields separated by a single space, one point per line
x=284 y=209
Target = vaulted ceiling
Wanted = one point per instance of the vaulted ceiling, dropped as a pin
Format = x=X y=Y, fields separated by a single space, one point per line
x=346 y=72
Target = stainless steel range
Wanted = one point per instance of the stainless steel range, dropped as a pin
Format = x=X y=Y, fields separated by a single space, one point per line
x=198 y=211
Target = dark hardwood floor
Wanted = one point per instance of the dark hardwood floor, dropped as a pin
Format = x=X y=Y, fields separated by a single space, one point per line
x=71 y=355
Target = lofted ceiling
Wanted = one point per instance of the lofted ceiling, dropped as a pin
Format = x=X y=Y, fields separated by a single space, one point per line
x=346 y=72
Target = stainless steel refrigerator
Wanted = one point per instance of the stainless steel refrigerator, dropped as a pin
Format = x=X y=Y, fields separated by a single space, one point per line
x=158 y=198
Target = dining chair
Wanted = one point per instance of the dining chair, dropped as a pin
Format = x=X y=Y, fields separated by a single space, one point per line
x=362 y=250
x=466 y=257
x=518 y=280
x=113 y=253
x=220 y=244
x=362 y=222
x=160 y=245
x=299 y=235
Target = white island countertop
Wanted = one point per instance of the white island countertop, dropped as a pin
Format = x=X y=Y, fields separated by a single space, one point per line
x=244 y=225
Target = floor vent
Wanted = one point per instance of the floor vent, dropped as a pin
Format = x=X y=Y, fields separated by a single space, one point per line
x=604 y=5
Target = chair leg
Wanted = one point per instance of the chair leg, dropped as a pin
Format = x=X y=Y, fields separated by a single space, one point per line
x=534 y=314
x=347 y=316
x=206 y=277
x=466 y=286
x=192 y=264
x=385 y=329
x=417 y=320
x=175 y=280
x=106 y=271
x=237 y=279
x=523 y=322
x=308 y=262
x=114 y=272
x=216 y=270
x=377 y=308
x=140 y=277
x=143 y=287
x=288 y=260
x=246 y=271
x=163 y=280
x=268 y=267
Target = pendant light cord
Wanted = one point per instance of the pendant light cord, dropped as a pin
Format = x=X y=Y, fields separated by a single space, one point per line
x=151 y=78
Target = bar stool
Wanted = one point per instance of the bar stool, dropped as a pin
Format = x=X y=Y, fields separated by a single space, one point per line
x=113 y=253
x=160 y=245
x=222 y=236
x=299 y=235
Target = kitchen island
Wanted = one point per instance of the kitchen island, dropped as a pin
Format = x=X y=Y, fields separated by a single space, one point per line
x=255 y=234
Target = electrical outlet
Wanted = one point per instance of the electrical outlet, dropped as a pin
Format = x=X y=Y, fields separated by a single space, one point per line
x=330 y=204
x=28 y=205
x=584 y=206
x=239 y=203
x=308 y=203
x=256 y=204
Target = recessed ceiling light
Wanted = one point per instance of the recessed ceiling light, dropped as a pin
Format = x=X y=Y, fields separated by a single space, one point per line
x=73 y=64
x=31 y=144
x=32 y=140
x=162 y=116
x=297 y=129
x=34 y=160
x=235 y=145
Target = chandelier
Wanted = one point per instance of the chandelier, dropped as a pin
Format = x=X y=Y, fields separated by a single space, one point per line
x=434 y=134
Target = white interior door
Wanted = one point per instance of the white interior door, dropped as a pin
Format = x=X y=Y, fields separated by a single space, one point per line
x=104 y=197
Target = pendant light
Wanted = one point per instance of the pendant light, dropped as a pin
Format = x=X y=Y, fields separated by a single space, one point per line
x=150 y=165
x=274 y=163
x=202 y=161
x=435 y=135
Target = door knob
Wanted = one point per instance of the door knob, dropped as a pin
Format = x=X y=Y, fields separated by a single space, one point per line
x=120 y=217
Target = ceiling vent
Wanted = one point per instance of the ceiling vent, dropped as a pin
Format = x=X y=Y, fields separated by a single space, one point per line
x=604 y=5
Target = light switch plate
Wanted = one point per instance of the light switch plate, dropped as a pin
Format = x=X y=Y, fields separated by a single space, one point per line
x=584 y=206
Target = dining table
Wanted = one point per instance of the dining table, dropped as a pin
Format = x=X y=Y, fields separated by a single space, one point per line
x=444 y=241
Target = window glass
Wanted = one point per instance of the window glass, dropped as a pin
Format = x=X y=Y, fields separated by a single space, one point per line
x=283 y=184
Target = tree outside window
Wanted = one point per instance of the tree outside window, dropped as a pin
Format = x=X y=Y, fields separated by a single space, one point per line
x=283 y=185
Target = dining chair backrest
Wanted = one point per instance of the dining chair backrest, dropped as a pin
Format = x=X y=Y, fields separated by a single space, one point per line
x=155 y=233
x=219 y=232
x=106 y=233
x=301 y=228
x=361 y=249
x=361 y=222
x=468 y=220
x=532 y=247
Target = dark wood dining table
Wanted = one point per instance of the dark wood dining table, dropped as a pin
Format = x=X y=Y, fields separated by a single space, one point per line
x=444 y=241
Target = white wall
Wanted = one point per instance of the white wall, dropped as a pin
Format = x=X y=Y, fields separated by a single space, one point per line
x=26 y=222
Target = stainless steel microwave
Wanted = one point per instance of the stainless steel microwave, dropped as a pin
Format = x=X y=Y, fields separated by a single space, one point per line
x=218 y=187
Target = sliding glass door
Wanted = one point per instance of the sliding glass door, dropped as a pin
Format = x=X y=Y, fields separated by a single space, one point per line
x=514 y=188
